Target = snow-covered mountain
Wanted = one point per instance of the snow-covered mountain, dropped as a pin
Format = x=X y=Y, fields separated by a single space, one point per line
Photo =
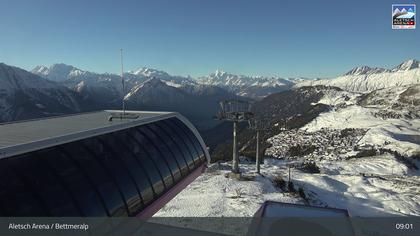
x=407 y=65
x=199 y=103
x=155 y=91
x=24 y=95
x=61 y=72
x=248 y=86
x=366 y=70
x=366 y=79
x=74 y=77
x=142 y=74
x=104 y=90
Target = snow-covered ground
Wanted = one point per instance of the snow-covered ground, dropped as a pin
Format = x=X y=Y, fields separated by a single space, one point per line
x=402 y=135
x=383 y=127
x=392 y=121
x=376 y=185
x=213 y=194
x=407 y=73
x=372 y=186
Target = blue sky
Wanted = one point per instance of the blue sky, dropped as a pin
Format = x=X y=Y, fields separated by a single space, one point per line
x=186 y=37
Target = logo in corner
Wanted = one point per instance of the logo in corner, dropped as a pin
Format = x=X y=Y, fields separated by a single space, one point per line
x=403 y=16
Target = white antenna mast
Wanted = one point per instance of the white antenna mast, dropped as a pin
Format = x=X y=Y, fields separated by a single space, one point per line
x=122 y=81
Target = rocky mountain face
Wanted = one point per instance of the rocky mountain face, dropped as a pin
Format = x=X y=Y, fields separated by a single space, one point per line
x=24 y=95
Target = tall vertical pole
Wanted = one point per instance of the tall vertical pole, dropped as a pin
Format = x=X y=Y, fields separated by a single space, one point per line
x=122 y=81
x=235 y=161
x=257 y=157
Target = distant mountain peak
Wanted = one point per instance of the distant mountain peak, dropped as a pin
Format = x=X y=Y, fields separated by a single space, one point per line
x=366 y=79
x=365 y=70
x=154 y=81
x=407 y=65
x=150 y=83
x=219 y=73
x=149 y=72
x=58 y=71
x=41 y=69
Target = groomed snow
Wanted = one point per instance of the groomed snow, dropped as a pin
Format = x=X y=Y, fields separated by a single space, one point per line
x=215 y=195
x=371 y=186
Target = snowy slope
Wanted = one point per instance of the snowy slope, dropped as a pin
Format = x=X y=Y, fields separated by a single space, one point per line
x=215 y=195
x=365 y=79
x=155 y=91
x=391 y=116
x=372 y=186
x=379 y=183
x=387 y=189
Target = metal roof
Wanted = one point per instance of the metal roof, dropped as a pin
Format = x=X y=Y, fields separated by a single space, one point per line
x=23 y=136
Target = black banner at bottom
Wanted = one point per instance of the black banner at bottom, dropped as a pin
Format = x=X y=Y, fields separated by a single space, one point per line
x=186 y=226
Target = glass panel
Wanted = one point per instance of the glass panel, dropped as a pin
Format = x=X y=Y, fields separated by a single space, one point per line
x=99 y=176
x=192 y=137
x=172 y=141
x=184 y=139
x=15 y=197
x=111 y=153
x=144 y=158
x=46 y=185
x=86 y=196
x=155 y=154
x=163 y=142
x=133 y=165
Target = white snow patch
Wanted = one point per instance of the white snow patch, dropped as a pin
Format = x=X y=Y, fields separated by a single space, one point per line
x=214 y=195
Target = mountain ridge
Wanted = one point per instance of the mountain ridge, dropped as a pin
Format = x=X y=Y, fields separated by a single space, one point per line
x=367 y=79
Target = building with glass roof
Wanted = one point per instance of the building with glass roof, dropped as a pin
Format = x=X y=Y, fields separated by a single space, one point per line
x=97 y=164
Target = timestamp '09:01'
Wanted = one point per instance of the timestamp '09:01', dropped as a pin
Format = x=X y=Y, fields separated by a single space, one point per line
x=402 y=226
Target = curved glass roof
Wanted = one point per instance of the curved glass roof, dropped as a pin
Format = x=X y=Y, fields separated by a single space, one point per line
x=119 y=173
